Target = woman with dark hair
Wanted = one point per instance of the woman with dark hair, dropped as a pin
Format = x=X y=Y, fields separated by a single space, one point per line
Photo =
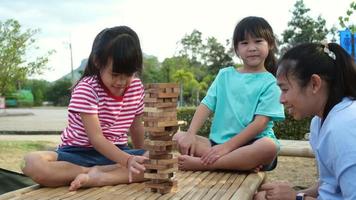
x=320 y=80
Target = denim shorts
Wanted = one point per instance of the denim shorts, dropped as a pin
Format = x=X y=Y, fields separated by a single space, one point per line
x=88 y=156
x=268 y=167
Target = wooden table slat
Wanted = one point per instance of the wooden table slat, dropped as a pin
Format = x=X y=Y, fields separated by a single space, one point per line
x=234 y=186
x=249 y=186
x=217 y=186
x=191 y=185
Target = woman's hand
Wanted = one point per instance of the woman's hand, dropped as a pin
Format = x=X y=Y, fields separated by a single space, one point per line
x=135 y=165
x=214 y=154
x=186 y=144
x=277 y=191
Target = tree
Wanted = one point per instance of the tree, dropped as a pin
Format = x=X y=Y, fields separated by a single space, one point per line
x=151 y=70
x=345 y=21
x=206 y=56
x=171 y=65
x=15 y=67
x=302 y=28
x=182 y=77
x=39 y=89
x=216 y=56
x=59 y=92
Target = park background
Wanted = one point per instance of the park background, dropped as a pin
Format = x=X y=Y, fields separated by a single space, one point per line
x=194 y=66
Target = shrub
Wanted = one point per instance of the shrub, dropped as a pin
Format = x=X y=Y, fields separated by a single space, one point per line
x=288 y=129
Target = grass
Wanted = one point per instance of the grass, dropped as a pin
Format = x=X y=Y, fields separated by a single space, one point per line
x=12 y=152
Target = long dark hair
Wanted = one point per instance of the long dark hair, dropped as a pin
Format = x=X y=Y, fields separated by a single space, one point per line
x=330 y=61
x=257 y=27
x=122 y=45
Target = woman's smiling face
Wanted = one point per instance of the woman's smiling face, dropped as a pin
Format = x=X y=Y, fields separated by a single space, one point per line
x=301 y=102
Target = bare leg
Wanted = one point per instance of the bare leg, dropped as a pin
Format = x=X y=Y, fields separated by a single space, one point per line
x=43 y=168
x=244 y=158
x=95 y=177
x=202 y=144
x=105 y=175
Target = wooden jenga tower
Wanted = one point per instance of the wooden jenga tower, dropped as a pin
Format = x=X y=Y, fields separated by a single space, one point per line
x=160 y=120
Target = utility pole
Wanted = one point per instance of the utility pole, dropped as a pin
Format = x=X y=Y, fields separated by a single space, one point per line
x=71 y=62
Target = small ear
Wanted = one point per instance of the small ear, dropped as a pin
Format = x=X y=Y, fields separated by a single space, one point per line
x=316 y=83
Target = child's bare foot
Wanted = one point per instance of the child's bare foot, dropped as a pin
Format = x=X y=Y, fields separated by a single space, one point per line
x=86 y=180
x=79 y=181
x=186 y=163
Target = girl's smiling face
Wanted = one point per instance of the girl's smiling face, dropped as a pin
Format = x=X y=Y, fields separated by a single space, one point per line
x=115 y=82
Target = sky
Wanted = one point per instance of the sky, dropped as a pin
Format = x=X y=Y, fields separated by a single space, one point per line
x=160 y=24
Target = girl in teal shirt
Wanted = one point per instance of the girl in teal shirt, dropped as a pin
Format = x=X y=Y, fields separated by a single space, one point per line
x=245 y=102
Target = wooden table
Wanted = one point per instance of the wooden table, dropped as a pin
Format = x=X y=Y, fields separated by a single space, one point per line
x=191 y=185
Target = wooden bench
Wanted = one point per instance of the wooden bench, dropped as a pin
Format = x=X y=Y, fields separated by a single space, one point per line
x=296 y=148
x=191 y=185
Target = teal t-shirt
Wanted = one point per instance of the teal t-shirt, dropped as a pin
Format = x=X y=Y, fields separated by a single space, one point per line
x=235 y=98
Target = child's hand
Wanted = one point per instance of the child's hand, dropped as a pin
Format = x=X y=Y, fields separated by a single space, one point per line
x=135 y=165
x=187 y=144
x=214 y=154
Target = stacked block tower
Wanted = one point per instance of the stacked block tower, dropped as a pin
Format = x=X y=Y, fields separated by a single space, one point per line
x=160 y=121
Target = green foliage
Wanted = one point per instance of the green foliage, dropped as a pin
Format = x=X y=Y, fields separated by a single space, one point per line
x=59 y=92
x=15 y=67
x=39 y=89
x=151 y=70
x=302 y=28
x=287 y=129
x=209 y=54
x=186 y=114
x=171 y=65
x=345 y=22
x=291 y=129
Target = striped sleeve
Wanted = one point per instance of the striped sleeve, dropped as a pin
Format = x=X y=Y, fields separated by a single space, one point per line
x=84 y=99
x=140 y=106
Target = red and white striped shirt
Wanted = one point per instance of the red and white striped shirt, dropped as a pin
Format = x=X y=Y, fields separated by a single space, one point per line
x=116 y=114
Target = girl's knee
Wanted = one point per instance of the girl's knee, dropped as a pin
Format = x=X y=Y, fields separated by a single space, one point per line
x=35 y=166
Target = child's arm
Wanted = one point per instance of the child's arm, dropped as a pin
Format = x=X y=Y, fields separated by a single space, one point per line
x=247 y=134
x=108 y=149
x=187 y=143
x=137 y=132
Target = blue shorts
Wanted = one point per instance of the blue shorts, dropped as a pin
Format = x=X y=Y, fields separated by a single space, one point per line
x=268 y=167
x=88 y=156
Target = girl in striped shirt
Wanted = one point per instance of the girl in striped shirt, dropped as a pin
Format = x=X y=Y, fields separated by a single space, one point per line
x=106 y=104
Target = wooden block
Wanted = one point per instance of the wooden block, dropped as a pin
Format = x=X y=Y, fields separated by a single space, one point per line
x=167 y=171
x=160 y=118
x=161 y=114
x=167 y=95
x=155 y=129
x=159 y=153
x=152 y=148
x=166 y=156
x=160 y=123
x=163 y=185
x=162 y=161
x=159 y=134
x=167 y=190
x=161 y=103
x=158 y=143
x=162 y=138
x=159 y=110
x=158 y=176
x=159 y=167
x=153 y=100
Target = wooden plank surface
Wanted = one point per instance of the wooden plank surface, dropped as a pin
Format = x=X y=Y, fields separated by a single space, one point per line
x=191 y=185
